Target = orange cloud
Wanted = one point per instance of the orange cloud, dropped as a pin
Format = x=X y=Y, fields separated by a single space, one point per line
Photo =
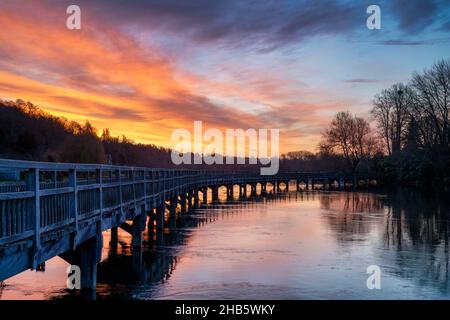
x=103 y=75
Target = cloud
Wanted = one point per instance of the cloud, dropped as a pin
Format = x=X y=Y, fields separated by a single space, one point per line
x=416 y=15
x=403 y=42
x=361 y=80
x=264 y=25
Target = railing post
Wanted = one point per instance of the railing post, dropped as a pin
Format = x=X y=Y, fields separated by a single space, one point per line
x=33 y=184
x=55 y=179
x=100 y=204
x=119 y=173
x=145 y=190
x=133 y=183
x=74 y=207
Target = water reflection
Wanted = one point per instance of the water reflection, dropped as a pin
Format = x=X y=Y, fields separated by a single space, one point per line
x=415 y=231
x=292 y=245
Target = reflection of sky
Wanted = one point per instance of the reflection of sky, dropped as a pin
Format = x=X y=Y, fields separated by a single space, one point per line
x=144 y=68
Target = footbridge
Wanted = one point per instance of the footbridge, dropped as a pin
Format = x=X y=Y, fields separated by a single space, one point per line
x=59 y=209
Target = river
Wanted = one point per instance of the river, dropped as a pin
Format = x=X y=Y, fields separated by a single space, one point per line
x=293 y=245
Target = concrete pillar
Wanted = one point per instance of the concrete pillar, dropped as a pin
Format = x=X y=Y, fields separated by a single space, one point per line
x=196 y=199
x=90 y=256
x=205 y=195
x=114 y=238
x=230 y=192
x=150 y=221
x=137 y=229
x=215 y=193
x=253 y=185
x=173 y=207
x=189 y=197
x=86 y=256
x=183 y=199
x=341 y=183
x=160 y=212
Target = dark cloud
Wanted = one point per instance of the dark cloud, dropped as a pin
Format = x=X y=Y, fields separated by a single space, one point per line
x=262 y=24
x=402 y=42
x=360 y=80
x=416 y=15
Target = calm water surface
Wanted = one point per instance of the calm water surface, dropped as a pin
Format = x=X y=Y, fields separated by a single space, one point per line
x=298 y=245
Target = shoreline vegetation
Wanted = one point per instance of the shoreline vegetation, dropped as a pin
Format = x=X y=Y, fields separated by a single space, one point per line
x=408 y=145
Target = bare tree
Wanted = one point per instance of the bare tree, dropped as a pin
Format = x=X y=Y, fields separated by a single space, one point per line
x=432 y=103
x=349 y=136
x=391 y=112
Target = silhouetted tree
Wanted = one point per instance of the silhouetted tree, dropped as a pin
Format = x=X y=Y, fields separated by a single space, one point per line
x=390 y=111
x=350 y=136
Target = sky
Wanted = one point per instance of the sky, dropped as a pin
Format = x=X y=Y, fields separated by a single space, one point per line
x=146 y=68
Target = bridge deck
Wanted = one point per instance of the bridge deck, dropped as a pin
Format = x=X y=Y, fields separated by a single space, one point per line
x=55 y=207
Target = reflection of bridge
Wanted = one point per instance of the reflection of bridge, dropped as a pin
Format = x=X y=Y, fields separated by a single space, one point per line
x=56 y=209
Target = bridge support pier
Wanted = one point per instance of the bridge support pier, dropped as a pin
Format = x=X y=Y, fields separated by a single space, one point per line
x=263 y=187
x=160 y=212
x=205 y=195
x=229 y=192
x=183 y=199
x=173 y=207
x=86 y=256
x=188 y=201
x=253 y=185
x=151 y=218
x=215 y=193
x=137 y=229
x=196 y=199
x=114 y=238
x=310 y=184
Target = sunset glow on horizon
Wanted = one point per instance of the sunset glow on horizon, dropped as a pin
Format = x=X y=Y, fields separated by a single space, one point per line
x=146 y=68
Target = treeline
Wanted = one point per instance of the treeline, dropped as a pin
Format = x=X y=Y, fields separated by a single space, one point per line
x=28 y=133
x=413 y=121
x=411 y=143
